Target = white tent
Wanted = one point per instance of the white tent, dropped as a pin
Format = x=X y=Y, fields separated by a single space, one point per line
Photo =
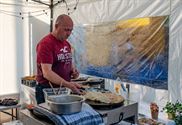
x=19 y=37
x=96 y=11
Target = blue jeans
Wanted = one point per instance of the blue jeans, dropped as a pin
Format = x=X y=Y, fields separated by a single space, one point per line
x=39 y=94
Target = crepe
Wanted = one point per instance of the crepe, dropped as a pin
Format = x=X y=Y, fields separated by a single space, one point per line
x=107 y=97
x=148 y=121
x=114 y=97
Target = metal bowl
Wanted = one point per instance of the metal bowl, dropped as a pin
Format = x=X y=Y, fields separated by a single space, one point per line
x=65 y=104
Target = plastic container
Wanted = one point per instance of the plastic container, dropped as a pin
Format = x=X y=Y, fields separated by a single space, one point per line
x=55 y=91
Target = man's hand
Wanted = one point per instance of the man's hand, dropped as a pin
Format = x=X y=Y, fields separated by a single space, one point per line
x=75 y=87
x=75 y=73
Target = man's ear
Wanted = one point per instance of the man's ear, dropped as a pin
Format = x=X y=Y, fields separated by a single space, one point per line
x=56 y=26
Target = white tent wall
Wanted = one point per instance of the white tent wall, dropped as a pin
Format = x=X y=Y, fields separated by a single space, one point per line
x=97 y=11
x=16 y=35
x=16 y=55
x=175 y=51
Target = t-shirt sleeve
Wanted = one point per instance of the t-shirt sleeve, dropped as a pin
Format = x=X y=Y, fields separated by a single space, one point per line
x=44 y=53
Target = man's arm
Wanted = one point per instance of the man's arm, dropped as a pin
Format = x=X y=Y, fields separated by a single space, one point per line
x=56 y=79
x=74 y=72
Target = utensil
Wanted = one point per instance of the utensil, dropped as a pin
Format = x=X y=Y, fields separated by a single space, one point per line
x=54 y=90
x=59 y=90
x=65 y=104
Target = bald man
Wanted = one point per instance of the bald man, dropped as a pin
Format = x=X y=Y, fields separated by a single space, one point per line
x=54 y=59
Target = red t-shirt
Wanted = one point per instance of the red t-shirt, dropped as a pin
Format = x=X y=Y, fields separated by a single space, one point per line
x=55 y=52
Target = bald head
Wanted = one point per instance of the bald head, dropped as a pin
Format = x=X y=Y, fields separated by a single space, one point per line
x=63 y=19
x=63 y=27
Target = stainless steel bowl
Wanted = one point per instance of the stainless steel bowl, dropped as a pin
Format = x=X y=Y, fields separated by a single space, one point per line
x=65 y=104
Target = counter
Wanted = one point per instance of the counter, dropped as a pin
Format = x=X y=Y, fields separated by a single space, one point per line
x=128 y=112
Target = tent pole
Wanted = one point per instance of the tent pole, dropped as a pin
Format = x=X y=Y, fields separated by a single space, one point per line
x=51 y=6
x=51 y=17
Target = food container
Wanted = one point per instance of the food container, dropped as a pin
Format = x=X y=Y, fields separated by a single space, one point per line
x=65 y=104
x=154 y=110
x=29 y=81
x=58 y=91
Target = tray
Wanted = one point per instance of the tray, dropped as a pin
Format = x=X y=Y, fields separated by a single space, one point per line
x=99 y=83
x=94 y=89
x=104 y=106
x=80 y=79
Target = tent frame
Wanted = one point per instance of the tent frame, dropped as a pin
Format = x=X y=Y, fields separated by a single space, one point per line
x=51 y=6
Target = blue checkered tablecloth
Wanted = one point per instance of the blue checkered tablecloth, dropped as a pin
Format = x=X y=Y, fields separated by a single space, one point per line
x=87 y=116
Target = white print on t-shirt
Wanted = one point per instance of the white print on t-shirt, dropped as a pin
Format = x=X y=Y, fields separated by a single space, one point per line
x=64 y=50
x=64 y=56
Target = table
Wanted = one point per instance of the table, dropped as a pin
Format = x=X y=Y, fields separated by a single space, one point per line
x=28 y=119
x=144 y=110
x=128 y=112
x=3 y=108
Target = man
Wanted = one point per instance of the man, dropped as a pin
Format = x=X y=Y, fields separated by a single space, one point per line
x=54 y=59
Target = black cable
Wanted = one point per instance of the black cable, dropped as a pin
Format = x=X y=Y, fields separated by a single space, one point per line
x=22 y=17
x=24 y=12
x=77 y=1
x=25 y=1
x=16 y=4
x=68 y=9
x=11 y=14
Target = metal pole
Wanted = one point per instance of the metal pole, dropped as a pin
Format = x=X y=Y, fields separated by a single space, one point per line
x=51 y=17
x=51 y=6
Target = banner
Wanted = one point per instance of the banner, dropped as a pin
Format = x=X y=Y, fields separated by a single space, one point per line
x=135 y=50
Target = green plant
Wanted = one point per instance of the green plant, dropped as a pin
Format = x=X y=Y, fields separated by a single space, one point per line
x=173 y=109
x=178 y=107
x=178 y=119
x=170 y=108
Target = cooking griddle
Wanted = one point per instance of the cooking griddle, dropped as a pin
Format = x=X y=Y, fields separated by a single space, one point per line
x=104 y=106
x=40 y=116
x=101 y=105
x=94 y=89
x=85 y=81
x=93 y=81
x=80 y=79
